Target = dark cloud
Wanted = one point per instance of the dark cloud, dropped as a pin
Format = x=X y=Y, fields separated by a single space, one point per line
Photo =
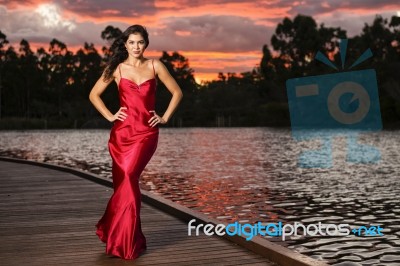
x=199 y=3
x=13 y=4
x=18 y=23
x=210 y=33
x=30 y=25
x=353 y=24
x=317 y=7
x=305 y=7
x=207 y=33
x=229 y=33
x=121 y=8
x=336 y=13
x=95 y=8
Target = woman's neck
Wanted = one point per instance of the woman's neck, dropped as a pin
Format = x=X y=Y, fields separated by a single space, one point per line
x=135 y=62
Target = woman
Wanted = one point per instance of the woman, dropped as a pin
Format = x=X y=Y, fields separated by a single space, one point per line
x=133 y=137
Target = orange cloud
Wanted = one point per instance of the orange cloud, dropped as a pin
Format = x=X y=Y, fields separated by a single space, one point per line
x=215 y=37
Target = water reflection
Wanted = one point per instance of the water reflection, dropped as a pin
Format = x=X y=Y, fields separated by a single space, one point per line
x=251 y=175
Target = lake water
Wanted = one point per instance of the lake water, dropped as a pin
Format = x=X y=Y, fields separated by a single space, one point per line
x=250 y=175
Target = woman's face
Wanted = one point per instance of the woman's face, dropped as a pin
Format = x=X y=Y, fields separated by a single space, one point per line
x=135 y=45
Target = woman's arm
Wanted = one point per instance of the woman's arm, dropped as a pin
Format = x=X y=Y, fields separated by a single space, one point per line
x=98 y=103
x=172 y=86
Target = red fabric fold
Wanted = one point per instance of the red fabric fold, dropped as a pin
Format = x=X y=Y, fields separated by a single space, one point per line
x=131 y=145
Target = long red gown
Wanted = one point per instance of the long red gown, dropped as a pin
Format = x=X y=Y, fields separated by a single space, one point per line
x=131 y=145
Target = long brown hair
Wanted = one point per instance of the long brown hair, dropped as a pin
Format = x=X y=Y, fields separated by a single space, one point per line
x=119 y=52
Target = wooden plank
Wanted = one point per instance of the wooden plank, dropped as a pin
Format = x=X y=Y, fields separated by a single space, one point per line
x=47 y=217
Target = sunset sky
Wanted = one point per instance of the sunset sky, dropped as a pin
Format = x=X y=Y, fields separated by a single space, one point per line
x=216 y=35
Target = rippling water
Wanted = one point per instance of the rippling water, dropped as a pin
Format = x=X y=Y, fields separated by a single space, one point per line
x=250 y=175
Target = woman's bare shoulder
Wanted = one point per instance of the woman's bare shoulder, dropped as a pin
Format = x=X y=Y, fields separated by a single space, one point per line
x=116 y=73
x=158 y=64
x=156 y=61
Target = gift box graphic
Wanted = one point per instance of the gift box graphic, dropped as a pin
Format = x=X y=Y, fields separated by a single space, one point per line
x=343 y=103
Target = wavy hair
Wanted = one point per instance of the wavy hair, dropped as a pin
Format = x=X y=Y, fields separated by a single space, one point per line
x=119 y=52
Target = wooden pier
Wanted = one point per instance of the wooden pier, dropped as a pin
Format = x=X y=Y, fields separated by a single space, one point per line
x=48 y=217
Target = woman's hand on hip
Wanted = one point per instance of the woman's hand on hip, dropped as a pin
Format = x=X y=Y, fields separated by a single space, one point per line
x=120 y=115
x=156 y=119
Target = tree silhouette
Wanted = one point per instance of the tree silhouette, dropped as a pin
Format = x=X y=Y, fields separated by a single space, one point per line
x=180 y=70
x=382 y=37
x=53 y=85
x=110 y=34
x=3 y=42
x=298 y=41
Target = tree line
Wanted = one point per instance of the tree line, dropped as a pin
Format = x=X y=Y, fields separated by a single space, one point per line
x=50 y=88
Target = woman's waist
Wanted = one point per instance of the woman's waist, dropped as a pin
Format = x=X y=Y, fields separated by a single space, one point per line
x=134 y=121
x=140 y=104
x=131 y=129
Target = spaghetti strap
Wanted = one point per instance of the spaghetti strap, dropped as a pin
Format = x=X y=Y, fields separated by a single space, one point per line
x=154 y=71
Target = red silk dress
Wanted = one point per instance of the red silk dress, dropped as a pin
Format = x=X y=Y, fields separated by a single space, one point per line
x=131 y=145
